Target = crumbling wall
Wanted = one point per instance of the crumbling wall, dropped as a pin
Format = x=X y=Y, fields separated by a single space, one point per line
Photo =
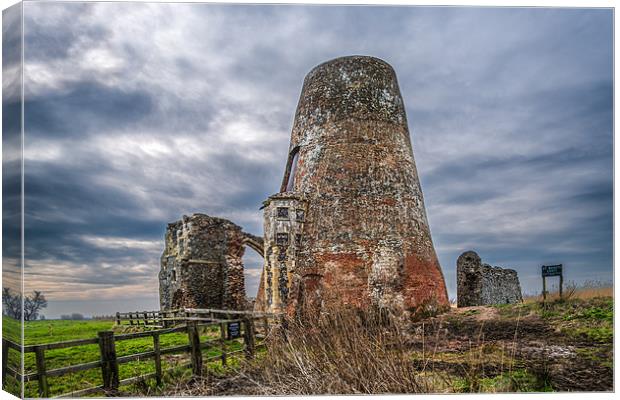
x=366 y=239
x=482 y=284
x=284 y=218
x=201 y=266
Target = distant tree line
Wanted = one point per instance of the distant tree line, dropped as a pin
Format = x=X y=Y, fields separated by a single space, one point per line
x=73 y=317
x=104 y=317
x=32 y=304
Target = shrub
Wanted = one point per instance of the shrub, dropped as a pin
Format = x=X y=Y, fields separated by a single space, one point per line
x=344 y=352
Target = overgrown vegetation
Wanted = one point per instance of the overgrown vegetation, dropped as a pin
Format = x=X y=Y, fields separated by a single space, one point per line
x=588 y=319
x=344 y=352
x=560 y=345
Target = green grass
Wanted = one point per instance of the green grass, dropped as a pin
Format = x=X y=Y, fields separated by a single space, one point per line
x=50 y=331
x=519 y=380
x=597 y=354
x=471 y=312
x=590 y=318
x=11 y=329
x=604 y=312
x=599 y=334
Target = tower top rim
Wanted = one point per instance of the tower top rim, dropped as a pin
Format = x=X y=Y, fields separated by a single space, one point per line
x=344 y=59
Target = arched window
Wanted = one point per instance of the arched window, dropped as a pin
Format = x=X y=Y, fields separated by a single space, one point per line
x=291 y=168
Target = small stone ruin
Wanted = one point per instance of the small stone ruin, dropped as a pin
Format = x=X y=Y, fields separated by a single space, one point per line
x=201 y=266
x=481 y=284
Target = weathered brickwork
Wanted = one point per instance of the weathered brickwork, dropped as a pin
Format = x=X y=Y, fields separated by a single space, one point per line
x=481 y=284
x=366 y=239
x=201 y=266
x=284 y=218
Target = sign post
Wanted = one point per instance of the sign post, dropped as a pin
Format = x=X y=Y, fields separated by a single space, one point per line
x=234 y=330
x=551 y=270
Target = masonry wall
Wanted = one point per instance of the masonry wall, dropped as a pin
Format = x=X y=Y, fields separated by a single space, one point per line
x=366 y=240
x=284 y=218
x=201 y=266
x=482 y=284
x=500 y=286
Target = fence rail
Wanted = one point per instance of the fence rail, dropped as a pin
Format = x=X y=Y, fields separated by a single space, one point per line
x=109 y=362
x=165 y=318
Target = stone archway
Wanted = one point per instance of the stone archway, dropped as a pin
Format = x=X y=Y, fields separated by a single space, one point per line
x=255 y=243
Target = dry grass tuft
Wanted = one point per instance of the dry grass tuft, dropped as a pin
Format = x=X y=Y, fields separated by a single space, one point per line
x=585 y=291
x=343 y=353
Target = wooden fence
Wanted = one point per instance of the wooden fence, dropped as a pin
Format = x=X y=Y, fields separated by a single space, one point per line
x=167 y=318
x=109 y=361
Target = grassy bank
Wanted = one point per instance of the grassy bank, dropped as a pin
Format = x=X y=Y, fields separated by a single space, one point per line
x=562 y=345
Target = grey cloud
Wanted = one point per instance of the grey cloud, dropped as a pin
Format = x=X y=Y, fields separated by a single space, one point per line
x=84 y=108
x=510 y=112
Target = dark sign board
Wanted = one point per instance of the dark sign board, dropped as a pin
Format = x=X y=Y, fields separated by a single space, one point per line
x=552 y=270
x=234 y=330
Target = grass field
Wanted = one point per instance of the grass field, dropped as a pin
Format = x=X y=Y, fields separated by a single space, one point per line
x=49 y=331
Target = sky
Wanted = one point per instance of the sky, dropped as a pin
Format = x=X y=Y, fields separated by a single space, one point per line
x=136 y=114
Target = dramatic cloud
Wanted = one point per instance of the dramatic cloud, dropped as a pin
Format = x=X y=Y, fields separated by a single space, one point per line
x=139 y=113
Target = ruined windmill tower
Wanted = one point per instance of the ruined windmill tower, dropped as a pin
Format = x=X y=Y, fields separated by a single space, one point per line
x=349 y=225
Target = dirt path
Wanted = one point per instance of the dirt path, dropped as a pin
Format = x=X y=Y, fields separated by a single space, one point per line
x=486 y=340
x=479 y=313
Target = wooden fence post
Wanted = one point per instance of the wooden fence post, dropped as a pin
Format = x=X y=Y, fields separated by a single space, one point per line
x=194 y=342
x=109 y=366
x=157 y=358
x=118 y=318
x=248 y=336
x=5 y=359
x=223 y=342
x=40 y=359
x=283 y=326
x=266 y=326
x=130 y=318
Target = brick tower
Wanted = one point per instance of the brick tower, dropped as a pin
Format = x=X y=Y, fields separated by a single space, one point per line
x=364 y=237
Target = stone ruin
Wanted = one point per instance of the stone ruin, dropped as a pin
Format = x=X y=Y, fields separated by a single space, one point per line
x=480 y=284
x=348 y=226
x=201 y=266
